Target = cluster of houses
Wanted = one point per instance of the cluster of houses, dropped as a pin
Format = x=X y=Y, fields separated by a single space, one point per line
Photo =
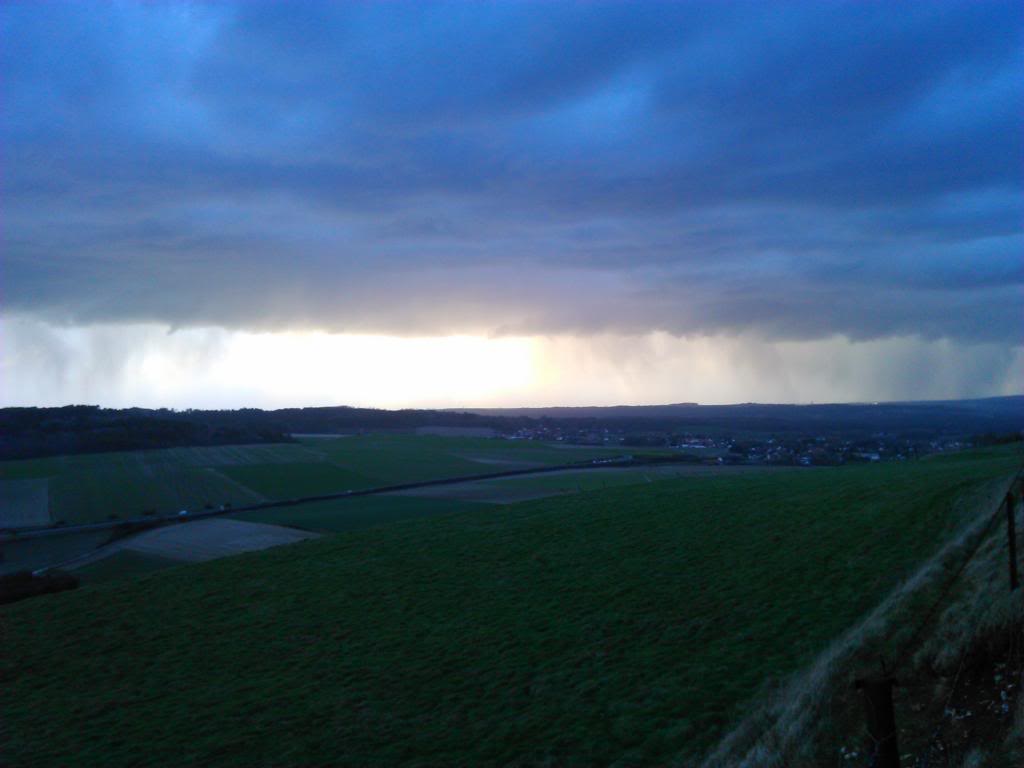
x=788 y=449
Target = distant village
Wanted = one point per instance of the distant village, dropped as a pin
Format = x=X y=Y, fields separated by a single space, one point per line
x=788 y=450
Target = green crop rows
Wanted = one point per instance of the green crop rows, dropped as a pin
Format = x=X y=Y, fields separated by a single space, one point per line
x=624 y=626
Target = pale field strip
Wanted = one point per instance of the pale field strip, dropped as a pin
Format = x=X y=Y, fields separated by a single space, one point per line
x=210 y=539
x=196 y=541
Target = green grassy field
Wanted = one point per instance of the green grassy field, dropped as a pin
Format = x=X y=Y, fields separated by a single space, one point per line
x=360 y=512
x=624 y=626
x=29 y=554
x=511 y=490
x=123 y=565
x=91 y=487
x=410 y=458
x=572 y=481
x=283 y=481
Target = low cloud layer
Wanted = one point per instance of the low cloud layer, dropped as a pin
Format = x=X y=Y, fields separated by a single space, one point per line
x=149 y=365
x=791 y=171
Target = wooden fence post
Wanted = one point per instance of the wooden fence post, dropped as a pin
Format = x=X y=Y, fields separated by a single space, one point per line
x=881 y=718
x=1011 y=534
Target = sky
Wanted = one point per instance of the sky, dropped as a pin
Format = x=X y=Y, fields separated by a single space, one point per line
x=413 y=204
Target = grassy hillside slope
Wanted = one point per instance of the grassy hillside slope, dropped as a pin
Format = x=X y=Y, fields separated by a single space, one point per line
x=90 y=487
x=627 y=625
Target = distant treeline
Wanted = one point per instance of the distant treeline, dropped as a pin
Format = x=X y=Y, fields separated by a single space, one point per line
x=34 y=432
x=999 y=415
x=30 y=432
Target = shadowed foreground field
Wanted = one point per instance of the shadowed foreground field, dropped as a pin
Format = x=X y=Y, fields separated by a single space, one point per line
x=631 y=625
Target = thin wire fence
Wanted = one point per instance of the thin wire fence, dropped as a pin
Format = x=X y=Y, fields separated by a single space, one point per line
x=881 y=722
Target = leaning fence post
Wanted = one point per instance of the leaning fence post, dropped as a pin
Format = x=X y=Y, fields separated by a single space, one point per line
x=881 y=718
x=1011 y=533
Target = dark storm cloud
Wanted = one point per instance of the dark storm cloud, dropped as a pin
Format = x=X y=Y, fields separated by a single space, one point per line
x=797 y=169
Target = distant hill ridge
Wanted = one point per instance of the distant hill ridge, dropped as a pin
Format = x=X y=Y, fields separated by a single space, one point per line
x=1009 y=402
x=980 y=414
x=28 y=432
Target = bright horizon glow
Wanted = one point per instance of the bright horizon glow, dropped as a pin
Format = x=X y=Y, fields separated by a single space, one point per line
x=151 y=365
x=365 y=369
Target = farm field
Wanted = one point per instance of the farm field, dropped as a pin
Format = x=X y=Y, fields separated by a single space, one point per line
x=170 y=545
x=283 y=481
x=93 y=487
x=509 y=490
x=360 y=512
x=411 y=458
x=628 y=625
x=210 y=539
x=124 y=564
